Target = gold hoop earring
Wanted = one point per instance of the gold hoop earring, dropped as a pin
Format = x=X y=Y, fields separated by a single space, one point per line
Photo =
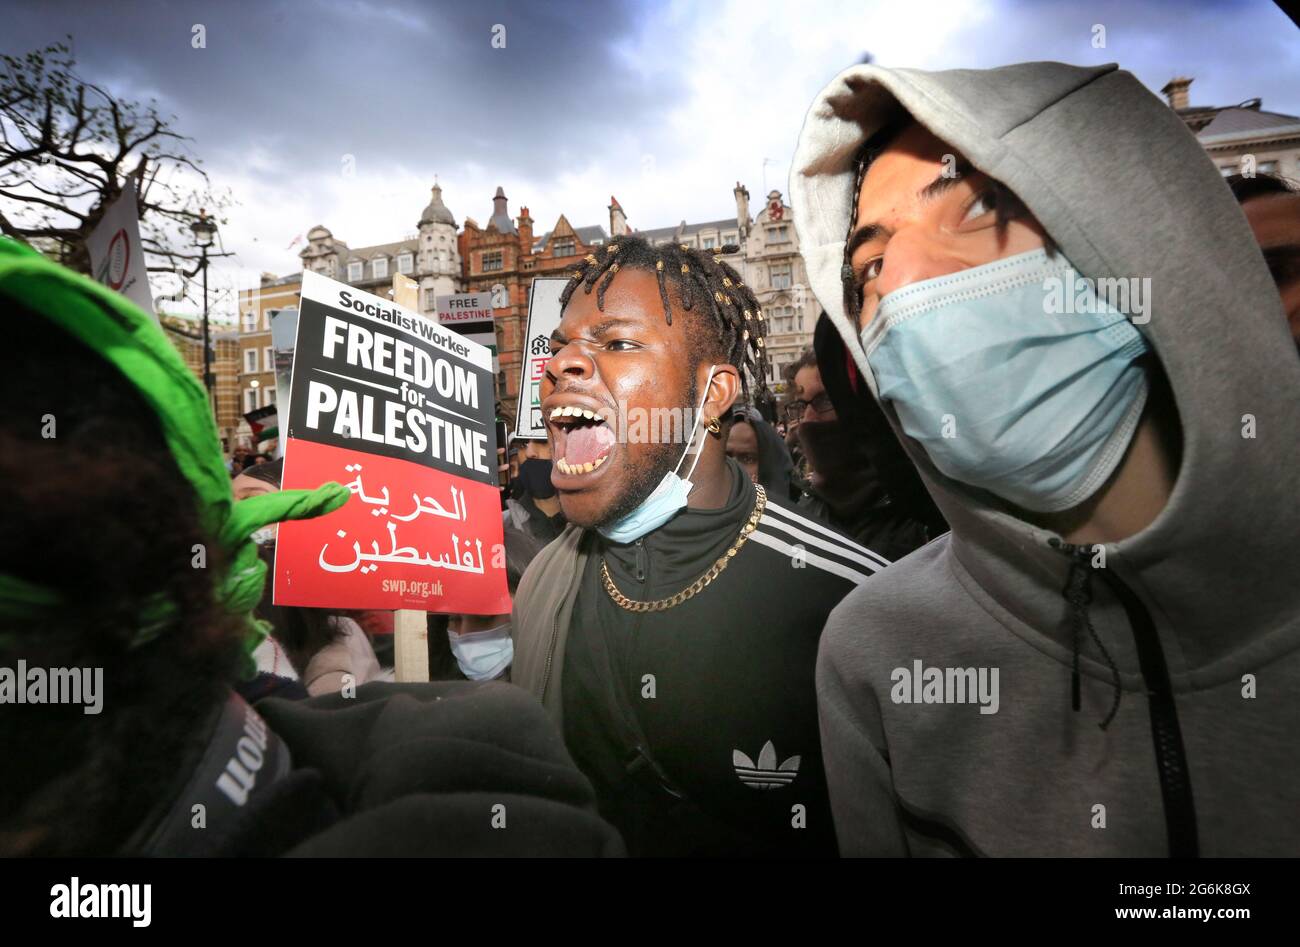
x=714 y=426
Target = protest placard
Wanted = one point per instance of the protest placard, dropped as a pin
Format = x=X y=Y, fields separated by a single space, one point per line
x=284 y=329
x=470 y=315
x=543 y=319
x=401 y=411
x=116 y=253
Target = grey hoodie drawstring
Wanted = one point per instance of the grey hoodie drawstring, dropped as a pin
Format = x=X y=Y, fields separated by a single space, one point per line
x=1078 y=593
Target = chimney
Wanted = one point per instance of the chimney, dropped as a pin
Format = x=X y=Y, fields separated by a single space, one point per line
x=525 y=231
x=617 y=219
x=1175 y=91
x=742 y=208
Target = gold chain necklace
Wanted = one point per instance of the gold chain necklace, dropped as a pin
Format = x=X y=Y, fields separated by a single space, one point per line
x=691 y=590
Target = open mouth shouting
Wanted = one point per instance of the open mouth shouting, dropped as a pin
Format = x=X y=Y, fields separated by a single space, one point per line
x=581 y=441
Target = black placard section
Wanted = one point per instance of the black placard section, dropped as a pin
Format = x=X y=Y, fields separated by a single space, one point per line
x=482 y=327
x=391 y=386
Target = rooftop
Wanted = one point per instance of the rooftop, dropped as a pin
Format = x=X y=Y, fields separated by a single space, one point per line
x=667 y=234
x=591 y=236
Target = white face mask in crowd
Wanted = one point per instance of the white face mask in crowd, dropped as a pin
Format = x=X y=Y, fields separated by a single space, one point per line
x=1040 y=405
x=483 y=655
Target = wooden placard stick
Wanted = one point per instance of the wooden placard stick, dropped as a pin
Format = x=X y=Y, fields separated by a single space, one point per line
x=410 y=625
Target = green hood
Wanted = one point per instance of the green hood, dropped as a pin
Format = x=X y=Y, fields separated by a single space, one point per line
x=126 y=337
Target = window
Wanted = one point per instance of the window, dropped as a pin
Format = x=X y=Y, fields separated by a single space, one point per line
x=356 y=271
x=1267 y=167
x=379 y=268
x=268 y=395
x=268 y=359
x=729 y=238
x=250 y=361
x=780 y=275
x=778 y=234
x=710 y=243
x=430 y=300
x=493 y=261
x=565 y=247
x=780 y=319
x=405 y=263
x=250 y=400
x=250 y=322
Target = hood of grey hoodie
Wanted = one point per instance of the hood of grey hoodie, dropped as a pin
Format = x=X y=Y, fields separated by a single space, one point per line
x=1124 y=190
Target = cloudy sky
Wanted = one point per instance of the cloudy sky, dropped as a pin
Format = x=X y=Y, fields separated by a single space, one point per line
x=665 y=105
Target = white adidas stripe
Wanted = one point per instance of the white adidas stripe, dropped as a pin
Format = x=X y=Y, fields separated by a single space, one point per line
x=835 y=537
x=826 y=565
x=818 y=542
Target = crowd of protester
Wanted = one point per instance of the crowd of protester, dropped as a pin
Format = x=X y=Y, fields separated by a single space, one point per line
x=723 y=644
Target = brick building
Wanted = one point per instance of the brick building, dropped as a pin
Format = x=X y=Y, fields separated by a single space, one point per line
x=187 y=336
x=502 y=258
x=256 y=365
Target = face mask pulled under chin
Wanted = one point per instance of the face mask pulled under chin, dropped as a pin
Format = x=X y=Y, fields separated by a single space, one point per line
x=483 y=655
x=1003 y=389
x=668 y=497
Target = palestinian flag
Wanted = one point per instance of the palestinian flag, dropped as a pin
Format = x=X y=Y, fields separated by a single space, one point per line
x=264 y=422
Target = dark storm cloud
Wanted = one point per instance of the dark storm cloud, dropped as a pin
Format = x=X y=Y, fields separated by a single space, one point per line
x=415 y=83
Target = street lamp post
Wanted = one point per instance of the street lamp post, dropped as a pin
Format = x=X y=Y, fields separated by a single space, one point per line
x=204 y=231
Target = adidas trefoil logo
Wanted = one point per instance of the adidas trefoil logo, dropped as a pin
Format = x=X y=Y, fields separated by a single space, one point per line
x=766 y=775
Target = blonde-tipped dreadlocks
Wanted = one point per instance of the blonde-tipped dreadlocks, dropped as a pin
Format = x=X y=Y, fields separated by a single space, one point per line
x=737 y=324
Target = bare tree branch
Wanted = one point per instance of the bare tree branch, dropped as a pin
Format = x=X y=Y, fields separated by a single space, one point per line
x=65 y=148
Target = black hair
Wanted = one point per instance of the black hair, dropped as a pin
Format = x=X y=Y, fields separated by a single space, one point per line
x=97 y=509
x=269 y=472
x=807 y=359
x=731 y=326
x=1262 y=184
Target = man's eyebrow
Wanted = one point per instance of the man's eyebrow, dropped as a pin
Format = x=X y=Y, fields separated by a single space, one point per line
x=598 y=330
x=945 y=180
x=601 y=328
x=864 y=234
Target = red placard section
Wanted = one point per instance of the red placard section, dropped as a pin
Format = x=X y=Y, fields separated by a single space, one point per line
x=408 y=537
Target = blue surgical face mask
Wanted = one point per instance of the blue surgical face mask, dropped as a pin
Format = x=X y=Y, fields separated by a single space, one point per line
x=1016 y=377
x=483 y=655
x=669 y=497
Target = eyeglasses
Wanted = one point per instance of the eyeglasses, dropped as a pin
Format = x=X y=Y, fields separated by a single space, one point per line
x=821 y=405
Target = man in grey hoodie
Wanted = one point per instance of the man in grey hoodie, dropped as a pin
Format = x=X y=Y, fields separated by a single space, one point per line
x=1044 y=282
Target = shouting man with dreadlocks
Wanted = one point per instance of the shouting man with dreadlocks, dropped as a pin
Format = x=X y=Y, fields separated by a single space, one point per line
x=672 y=628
